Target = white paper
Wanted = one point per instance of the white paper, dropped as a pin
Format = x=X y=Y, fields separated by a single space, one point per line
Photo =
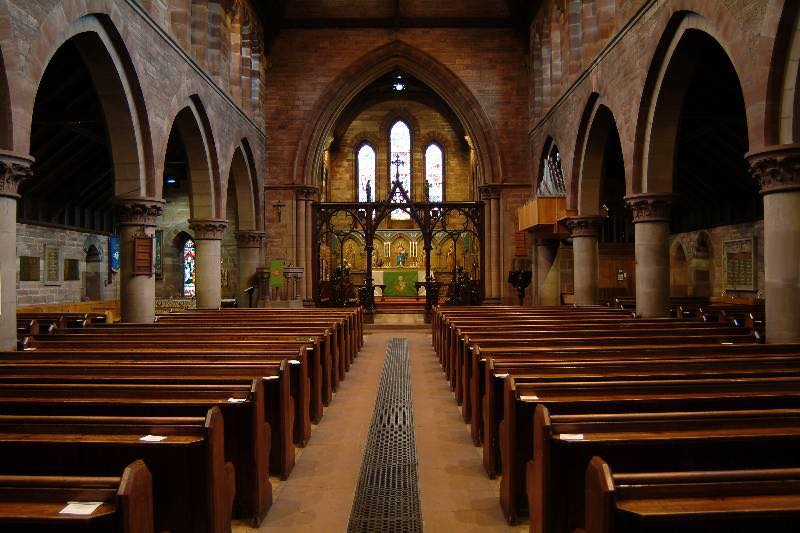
x=501 y=376
x=529 y=398
x=152 y=438
x=571 y=436
x=294 y=362
x=84 y=508
x=727 y=343
x=271 y=377
x=237 y=400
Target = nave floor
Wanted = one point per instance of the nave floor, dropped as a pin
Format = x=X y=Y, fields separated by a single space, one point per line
x=455 y=493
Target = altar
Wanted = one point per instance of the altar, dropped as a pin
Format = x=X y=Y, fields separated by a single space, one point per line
x=401 y=282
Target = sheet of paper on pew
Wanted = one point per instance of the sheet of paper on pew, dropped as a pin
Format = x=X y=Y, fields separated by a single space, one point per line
x=82 y=508
x=270 y=377
x=529 y=398
x=570 y=436
x=152 y=438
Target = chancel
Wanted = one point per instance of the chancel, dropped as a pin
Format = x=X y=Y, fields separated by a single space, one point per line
x=400 y=265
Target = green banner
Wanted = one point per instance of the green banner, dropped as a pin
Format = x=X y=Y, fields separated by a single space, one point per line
x=276 y=273
x=400 y=283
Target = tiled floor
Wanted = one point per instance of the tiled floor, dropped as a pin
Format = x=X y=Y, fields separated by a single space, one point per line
x=455 y=493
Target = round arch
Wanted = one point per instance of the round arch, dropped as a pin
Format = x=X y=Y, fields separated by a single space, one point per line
x=665 y=88
x=385 y=59
x=109 y=64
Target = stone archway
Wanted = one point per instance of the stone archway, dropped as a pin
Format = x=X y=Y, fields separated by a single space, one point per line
x=396 y=56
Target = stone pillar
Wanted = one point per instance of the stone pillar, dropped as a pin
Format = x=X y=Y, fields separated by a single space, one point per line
x=651 y=227
x=547 y=285
x=300 y=240
x=309 y=240
x=491 y=197
x=137 y=294
x=776 y=169
x=586 y=258
x=14 y=170
x=497 y=251
x=207 y=270
x=248 y=244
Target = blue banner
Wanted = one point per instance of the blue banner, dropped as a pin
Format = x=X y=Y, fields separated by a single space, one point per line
x=113 y=253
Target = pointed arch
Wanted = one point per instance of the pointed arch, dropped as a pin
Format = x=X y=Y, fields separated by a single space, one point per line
x=393 y=56
x=591 y=170
x=6 y=128
x=243 y=186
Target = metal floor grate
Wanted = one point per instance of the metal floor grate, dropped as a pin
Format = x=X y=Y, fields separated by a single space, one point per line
x=387 y=496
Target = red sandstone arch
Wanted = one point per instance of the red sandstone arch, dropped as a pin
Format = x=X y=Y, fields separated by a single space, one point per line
x=6 y=129
x=205 y=188
x=664 y=91
x=109 y=64
x=782 y=123
x=592 y=160
x=577 y=153
x=244 y=183
x=396 y=56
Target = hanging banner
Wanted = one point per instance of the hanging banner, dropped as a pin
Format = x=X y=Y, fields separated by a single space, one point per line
x=276 y=267
x=113 y=253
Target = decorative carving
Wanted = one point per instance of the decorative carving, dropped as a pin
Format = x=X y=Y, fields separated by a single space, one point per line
x=138 y=211
x=649 y=207
x=13 y=170
x=209 y=229
x=307 y=194
x=490 y=192
x=584 y=226
x=776 y=168
x=250 y=239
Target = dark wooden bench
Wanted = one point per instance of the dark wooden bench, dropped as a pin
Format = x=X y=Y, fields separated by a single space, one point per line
x=716 y=501
x=678 y=440
x=34 y=503
x=193 y=486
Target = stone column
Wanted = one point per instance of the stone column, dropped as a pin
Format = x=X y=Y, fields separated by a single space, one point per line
x=14 y=170
x=651 y=227
x=137 y=294
x=309 y=240
x=547 y=286
x=776 y=169
x=300 y=238
x=207 y=270
x=248 y=244
x=497 y=252
x=586 y=258
x=491 y=197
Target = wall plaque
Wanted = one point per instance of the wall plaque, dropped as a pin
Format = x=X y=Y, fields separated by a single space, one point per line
x=739 y=264
x=72 y=269
x=29 y=268
x=52 y=265
x=158 y=262
x=143 y=255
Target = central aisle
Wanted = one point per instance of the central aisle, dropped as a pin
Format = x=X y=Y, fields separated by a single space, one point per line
x=455 y=493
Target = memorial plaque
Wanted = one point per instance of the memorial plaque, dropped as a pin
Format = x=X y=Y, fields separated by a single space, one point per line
x=72 y=269
x=158 y=262
x=29 y=268
x=52 y=265
x=143 y=255
x=739 y=264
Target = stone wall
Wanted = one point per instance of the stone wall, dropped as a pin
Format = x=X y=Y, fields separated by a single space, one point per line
x=174 y=225
x=93 y=283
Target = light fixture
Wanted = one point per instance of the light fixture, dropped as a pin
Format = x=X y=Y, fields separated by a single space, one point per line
x=171 y=180
x=399 y=85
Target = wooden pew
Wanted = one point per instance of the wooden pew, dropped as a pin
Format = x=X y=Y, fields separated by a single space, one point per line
x=240 y=400
x=522 y=398
x=193 y=486
x=709 y=439
x=278 y=403
x=34 y=503
x=714 y=501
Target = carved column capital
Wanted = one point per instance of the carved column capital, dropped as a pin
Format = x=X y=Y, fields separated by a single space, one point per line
x=776 y=168
x=208 y=229
x=584 y=226
x=138 y=211
x=489 y=192
x=307 y=194
x=250 y=239
x=650 y=207
x=13 y=170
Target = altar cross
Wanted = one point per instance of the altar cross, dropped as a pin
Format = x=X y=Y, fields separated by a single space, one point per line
x=397 y=164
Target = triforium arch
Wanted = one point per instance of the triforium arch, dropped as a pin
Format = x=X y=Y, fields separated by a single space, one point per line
x=394 y=56
x=666 y=85
x=118 y=89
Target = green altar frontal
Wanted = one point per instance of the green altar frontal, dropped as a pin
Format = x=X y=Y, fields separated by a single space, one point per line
x=400 y=282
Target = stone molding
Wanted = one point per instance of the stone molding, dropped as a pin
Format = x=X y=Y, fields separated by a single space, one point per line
x=14 y=169
x=138 y=211
x=650 y=207
x=584 y=226
x=776 y=168
x=208 y=229
x=307 y=194
x=250 y=239
x=489 y=192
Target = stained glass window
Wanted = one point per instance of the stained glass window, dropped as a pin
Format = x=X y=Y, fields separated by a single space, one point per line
x=434 y=173
x=366 y=173
x=400 y=143
x=188 y=268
